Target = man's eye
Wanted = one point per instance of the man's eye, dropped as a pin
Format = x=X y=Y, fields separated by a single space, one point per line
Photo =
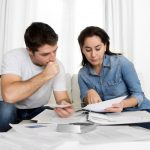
x=44 y=54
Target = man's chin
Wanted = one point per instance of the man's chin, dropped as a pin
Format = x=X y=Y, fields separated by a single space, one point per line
x=40 y=65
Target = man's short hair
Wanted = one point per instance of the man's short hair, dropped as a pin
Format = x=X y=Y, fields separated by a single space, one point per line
x=39 y=34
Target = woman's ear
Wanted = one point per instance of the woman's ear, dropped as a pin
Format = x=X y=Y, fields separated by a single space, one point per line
x=105 y=47
x=82 y=50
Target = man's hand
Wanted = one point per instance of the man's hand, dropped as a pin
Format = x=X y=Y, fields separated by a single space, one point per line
x=118 y=107
x=64 y=112
x=93 y=97
x=51 y=70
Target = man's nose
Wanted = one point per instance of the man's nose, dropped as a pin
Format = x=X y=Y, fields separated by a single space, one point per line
x=52 y=57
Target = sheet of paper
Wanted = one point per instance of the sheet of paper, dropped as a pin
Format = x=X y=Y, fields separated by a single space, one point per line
x=57 y=106
x=104 y=138
x=49 y=116
x=120 y=118
x=110 y=134
x=35 y=138
x=101 y=106
x=102 y=134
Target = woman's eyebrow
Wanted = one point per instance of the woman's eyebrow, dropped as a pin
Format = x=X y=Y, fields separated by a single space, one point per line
x=87 y=47
x=98 y=46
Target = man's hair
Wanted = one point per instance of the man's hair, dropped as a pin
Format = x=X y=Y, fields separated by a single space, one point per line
x=93 y=31
x=39 y=34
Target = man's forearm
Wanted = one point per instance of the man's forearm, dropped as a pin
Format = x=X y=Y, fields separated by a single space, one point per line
x=21 y=90
x=66 y=100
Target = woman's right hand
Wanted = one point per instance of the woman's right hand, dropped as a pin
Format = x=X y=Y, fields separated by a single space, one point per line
x=93 y=97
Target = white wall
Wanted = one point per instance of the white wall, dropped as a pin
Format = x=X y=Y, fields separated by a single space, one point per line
x=142 y=41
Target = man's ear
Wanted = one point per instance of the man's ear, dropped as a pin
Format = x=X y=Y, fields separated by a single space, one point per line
x=30 y=52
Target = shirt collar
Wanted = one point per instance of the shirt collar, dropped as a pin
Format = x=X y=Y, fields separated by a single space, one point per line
x=106 y=61
x=106 y=64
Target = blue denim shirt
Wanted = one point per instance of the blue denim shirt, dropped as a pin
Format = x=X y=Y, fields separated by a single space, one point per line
x=117 y=78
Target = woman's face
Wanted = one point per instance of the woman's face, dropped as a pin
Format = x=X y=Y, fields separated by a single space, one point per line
x=94 y=50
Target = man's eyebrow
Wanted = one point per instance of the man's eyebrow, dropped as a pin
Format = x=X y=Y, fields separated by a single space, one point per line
x=55 y=48
x=44 y=53
x=48 y=52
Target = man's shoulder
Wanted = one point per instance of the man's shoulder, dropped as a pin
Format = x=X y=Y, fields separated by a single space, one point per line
x=59 y=63
x=16 y=52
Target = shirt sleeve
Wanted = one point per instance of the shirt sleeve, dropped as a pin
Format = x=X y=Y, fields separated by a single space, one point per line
x=131 y=79
x=11 y=65
x=82 y=85
x=59 y=83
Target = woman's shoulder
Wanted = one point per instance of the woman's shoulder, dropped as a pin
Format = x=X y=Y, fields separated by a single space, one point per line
x=83 y=70
x=117 y=56
x=120 y=59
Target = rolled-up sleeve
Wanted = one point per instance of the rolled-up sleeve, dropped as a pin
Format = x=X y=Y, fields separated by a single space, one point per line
x=131 y=79
x=59 y=83
x=82 y=85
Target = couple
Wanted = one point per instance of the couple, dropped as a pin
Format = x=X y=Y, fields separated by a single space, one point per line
x=30 y=75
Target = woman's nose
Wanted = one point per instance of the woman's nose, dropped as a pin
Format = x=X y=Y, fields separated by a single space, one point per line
x=93 y=53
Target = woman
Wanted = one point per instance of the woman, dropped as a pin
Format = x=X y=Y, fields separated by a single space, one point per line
x=106 y=75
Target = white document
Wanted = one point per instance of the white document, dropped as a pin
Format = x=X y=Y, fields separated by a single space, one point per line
x=49 y=116
x=101 y=106
x=103 y=138
x=57 y=106
x=34 y=137
x=129 y=117
x=109 y=134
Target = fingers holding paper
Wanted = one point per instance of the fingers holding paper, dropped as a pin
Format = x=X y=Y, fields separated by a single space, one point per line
x=65 y=111
x=117 y=107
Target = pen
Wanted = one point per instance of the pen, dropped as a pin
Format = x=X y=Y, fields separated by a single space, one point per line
x=48 y=107
x=35 y=126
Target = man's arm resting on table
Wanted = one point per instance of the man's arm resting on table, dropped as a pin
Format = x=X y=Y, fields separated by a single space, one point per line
x=15 y=90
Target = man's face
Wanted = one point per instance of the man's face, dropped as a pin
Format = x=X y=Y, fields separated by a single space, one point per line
x=45 y=54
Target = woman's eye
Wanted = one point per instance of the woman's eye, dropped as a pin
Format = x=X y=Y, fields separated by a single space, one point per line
x=88 y=50
x=98 y=49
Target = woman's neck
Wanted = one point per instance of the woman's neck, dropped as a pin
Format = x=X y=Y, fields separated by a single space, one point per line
x=97 y=69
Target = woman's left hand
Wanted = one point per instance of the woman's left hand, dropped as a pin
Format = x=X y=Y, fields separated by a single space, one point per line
x=118 y=107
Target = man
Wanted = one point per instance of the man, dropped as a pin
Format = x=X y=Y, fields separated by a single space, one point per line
x=30 y=75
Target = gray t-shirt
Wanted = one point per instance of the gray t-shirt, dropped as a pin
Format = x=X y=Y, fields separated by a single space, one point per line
x=18 y=62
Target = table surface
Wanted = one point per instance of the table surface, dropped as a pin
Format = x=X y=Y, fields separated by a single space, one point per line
x=44 y=137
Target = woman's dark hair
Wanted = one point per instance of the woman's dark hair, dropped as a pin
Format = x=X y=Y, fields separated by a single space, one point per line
x=94 y=31
x=38 y=34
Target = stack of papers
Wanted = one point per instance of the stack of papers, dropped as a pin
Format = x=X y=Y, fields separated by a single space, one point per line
x=49 y=116
x=130 y=117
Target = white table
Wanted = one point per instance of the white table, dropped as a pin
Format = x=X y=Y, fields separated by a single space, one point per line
x=22 y=137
